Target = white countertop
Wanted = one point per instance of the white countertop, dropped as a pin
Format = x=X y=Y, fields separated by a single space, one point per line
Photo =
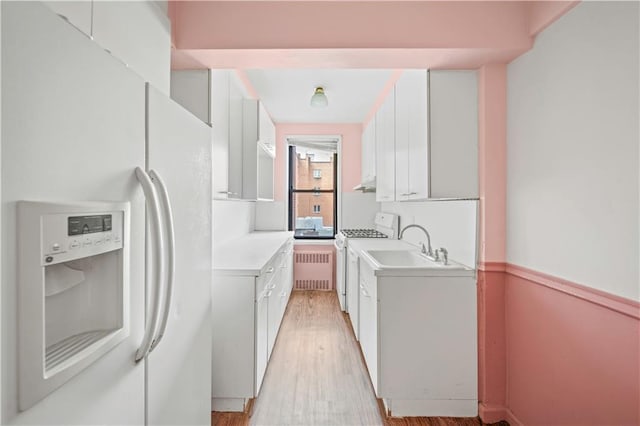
x=249 y=254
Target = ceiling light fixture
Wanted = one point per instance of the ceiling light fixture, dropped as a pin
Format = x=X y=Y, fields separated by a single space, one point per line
x=319 y=99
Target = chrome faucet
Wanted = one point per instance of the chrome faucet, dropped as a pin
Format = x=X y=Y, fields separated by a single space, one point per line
x=428 y=251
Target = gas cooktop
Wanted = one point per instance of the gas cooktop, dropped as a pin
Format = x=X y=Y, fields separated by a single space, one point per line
x=363 y=233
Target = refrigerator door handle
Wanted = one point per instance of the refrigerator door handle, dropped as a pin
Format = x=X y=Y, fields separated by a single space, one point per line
x=157 y=250
x=167 y=214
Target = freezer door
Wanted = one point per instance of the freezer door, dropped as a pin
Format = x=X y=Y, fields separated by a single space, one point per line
x=179 y=367
x=72 y=130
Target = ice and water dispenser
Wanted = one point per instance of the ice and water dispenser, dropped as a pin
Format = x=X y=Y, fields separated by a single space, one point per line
x=73 y=290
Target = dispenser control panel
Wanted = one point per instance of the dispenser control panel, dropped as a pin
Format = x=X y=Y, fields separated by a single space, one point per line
x=89 y=224
x=67 y=237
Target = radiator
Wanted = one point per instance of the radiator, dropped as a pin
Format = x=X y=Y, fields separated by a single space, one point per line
x=313 y=270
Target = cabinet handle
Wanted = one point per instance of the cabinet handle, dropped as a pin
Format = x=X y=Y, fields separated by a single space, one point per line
x=227 y=192
x=268 y=295
x=270 y=270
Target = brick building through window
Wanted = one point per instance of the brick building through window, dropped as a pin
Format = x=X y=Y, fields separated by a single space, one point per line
x=312 y=192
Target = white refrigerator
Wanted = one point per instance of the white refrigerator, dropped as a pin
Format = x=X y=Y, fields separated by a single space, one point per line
x=76 y=123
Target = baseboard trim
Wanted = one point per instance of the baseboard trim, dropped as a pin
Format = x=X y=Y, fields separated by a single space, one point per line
x=512 y=419
x=230 y=405
x=492 y=413
x=495 y=413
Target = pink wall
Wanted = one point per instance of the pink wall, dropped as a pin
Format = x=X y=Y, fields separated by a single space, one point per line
x=350 y=24
x=555 y=352
x=492 y=170
x=492 y=161
x=570 y=361
x=376 y=34
x=492 y=390
x=351 y=155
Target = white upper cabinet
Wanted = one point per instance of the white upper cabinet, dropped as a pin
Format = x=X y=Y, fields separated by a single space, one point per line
x=218 y=102
x=258 y=145
x=190 y=88
x=427 y=137
x=368 y=164
x=453 y=144
x=266 y=129
x=77 y=13
x=412 y=174
x=218 y=98
x=385 y=149
x=139 y=34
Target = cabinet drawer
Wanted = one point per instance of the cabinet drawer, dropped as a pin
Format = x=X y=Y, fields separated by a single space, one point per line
x=265 y=279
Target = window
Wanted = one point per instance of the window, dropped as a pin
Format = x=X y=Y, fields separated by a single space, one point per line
x=312 y=192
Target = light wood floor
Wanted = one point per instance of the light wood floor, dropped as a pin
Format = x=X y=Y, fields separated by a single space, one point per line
x=316 y=374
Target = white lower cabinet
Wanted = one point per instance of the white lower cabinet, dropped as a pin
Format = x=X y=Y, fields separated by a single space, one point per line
x=247 y=313
x=262 y=337
x=369 y=321
x=353 y=290
x=419 y=339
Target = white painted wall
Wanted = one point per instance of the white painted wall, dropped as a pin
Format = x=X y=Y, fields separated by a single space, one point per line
x=271 y=216
x=451 y=224
x=232 y=219
x=358 y=210
x=572 y=135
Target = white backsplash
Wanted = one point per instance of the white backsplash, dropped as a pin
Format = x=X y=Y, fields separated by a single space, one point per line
x=451 y=224
x=358 y=210
x=271 y=216
x=232 y=219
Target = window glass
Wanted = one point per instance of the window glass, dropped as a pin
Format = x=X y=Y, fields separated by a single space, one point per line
x=313 y=193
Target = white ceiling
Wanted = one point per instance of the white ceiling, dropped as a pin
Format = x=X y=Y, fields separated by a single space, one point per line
x=286 y=93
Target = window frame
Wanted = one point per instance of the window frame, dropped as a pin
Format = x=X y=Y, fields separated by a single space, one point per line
x=292 y=191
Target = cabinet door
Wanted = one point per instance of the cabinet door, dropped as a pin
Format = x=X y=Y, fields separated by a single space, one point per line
x=235 y=136
x=219 y=101
x=353 y=290
x=139 y=34
x=412 y=173
x=402 y=103
x=418 y=119
x=77 y=13
x=262 y=332
x=368 y=173
x=267 y=130
x=274 y=290
x=385 y=150
x=369 y=322
x=287 y=278
x=453 y=143
x=190 y=88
